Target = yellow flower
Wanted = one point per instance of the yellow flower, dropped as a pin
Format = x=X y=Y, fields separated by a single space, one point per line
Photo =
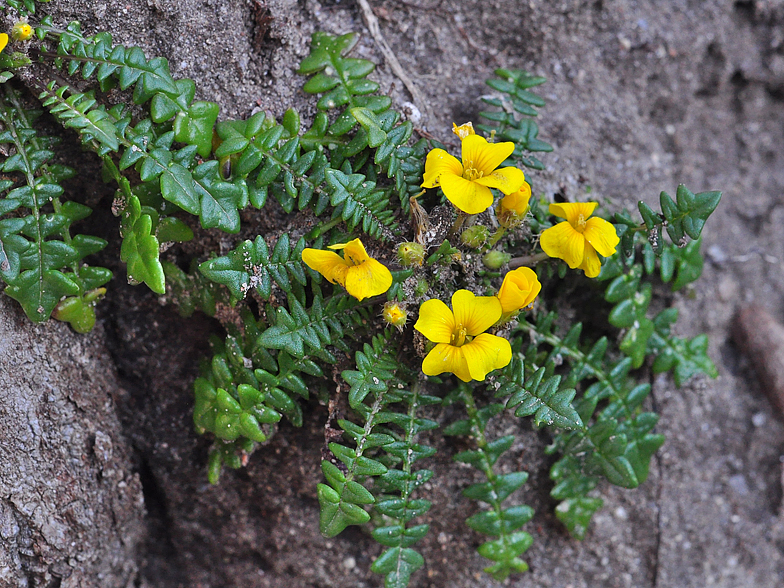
x=21 y=31
x=463 y=130
x=462 y=346
x=579 y=238
x=3 y=41
x=361 y=275
x=519 y=289
x=467 y=184
x=512 y=207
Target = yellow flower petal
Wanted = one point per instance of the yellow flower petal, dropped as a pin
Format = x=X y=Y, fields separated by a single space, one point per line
x=437 y=164
x=506 y=179
x=436 y=321
x=571 y=211
x=463 y=130
x=519 y=289
x=601 y=234
x=369 y=278
x=591 y=264
x=475 y=313
x=486 y=353
x=446 y=358
x=468 y=196
x=3 y=41
x=564 y=242
x=328 y=263
x=483 y=156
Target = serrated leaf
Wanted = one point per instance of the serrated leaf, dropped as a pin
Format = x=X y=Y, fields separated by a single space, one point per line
x=178 y=187
x=335 y=514
x=543 y=399
x=39 y=293
x=218 y=200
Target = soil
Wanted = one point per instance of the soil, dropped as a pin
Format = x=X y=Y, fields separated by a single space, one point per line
x=642 y=95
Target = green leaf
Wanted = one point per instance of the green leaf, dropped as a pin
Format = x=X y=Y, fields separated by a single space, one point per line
x=218 y=200
x=140 y=251
x=162 y=108
x=195 y=126
x=39 y=293
x=689 y=263
x=688 y=213
x=504 y=485
x=178 y=187
x=173 y=229
x=375 y=368
x=494 y=524
x=398 y=563
x=371 y=123
x=291 y=122
x=576 y=514
x=335 y=514
x=635 y=342
x=543 y=399
x=251 y=265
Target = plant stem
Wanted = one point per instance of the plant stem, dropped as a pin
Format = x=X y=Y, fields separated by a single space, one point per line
x=527 y=260
x=461 y=217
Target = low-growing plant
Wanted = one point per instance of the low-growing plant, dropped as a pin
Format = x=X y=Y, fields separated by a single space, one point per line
x=421 y=278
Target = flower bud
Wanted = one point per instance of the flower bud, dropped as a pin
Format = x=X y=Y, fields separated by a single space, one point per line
x=518 y=290
x=475 y=236
x=421 y=288
x=21 y=31
x=411 y=254
x=495 y=259
x=395 y=315
x=512 y=208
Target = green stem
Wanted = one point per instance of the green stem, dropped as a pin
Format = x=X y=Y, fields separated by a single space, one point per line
x=408 y=462
x=481 y=442
x=319 y=230
x=461 y=217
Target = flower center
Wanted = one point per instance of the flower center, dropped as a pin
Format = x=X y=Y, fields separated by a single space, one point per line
x=470 y=173
x=459 y=336
x=580 y=223
x=351 y=259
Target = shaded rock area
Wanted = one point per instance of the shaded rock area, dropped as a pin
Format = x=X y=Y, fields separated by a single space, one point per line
x=642 y=95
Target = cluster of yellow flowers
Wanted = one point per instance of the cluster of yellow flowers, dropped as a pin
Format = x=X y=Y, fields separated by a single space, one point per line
x=462 y=345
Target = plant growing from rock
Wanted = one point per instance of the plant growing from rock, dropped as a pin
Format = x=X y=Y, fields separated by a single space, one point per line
x=414 y=277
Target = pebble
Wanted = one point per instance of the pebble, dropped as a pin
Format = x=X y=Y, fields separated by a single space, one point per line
x=739 y=484
x=716 y=254
x=728 y=289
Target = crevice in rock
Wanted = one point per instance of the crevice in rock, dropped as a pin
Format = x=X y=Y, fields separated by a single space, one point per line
x=160 y=559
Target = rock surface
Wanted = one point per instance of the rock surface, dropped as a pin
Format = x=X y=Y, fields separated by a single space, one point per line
x=71 y=506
